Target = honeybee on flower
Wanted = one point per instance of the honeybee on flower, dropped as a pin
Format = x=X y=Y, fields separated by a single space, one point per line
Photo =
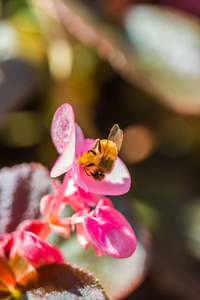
x=108 y=175
x=100 y=160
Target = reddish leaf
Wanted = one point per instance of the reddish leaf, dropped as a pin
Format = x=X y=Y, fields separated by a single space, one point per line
x=56 y=281
x=21 y=188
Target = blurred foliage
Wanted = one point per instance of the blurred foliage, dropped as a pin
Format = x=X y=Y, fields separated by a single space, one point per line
x=118 y=276
x=131 y=62
x=189 y=219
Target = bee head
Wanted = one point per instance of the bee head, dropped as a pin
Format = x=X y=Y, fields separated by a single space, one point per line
x=97 y=175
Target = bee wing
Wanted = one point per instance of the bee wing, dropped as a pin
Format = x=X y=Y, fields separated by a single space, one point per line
x=115 y=136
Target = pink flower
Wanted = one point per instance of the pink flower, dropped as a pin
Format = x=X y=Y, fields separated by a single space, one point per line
x=70 y=144
x=50 y=208
x=78 y=198
x=29 y=247
x=36 y=251
x=108 y=231
x=70 y=194
x=38 y=227
x=60 y=226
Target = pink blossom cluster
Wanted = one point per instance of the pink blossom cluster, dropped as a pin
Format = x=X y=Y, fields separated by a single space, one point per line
x=104 y=227
x=95 y=219
x=24 y=250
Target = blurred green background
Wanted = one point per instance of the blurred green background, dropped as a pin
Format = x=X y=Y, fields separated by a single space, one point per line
x=135 y=63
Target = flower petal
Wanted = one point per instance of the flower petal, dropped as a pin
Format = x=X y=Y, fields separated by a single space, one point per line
x=79 y=140
x=82 y=236
x=36 y=251
x=38 y=227
x=117 y=182
x=65 y=160
x=46 y=205
x=63 y=230
x=97 y=251
x=88 y=144
x=6 y=243
x=63 y=136
x=62 y=127
x=75 y=174
x=110 y=232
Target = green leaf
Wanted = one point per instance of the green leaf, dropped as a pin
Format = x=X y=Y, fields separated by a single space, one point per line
x=61 y=281
x=119 y=277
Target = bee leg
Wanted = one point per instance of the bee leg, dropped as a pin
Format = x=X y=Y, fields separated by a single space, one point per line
x=86 y=171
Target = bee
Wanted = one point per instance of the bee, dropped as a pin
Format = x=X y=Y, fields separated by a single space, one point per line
x=100 y=159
